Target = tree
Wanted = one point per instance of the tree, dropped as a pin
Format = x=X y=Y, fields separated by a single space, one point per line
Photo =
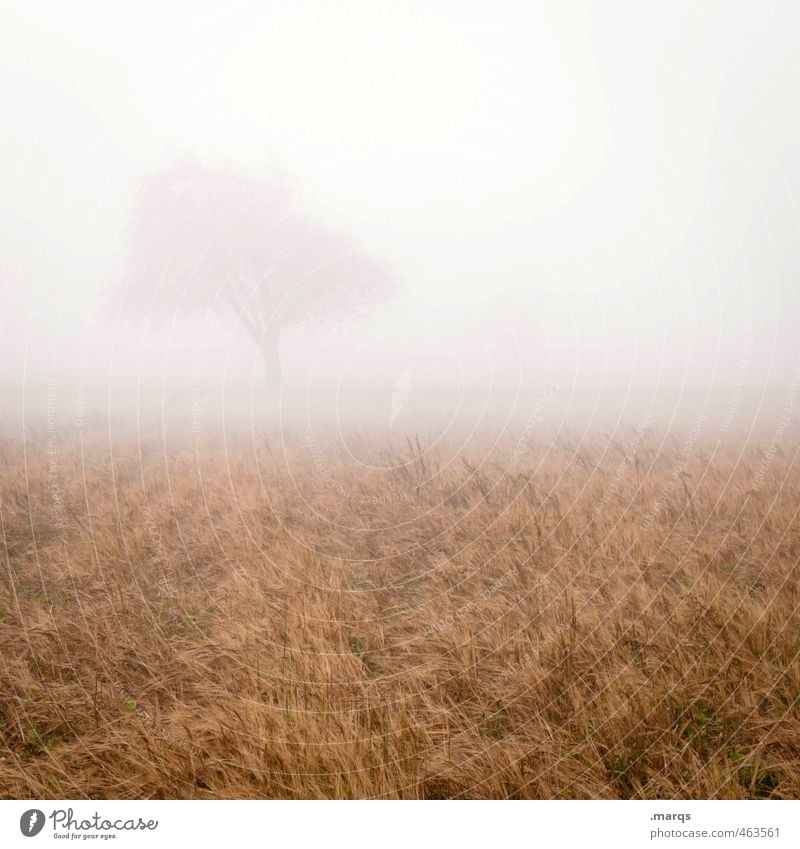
x=210 y=237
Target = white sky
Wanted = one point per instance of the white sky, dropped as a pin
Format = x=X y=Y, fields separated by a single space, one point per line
x=629 y=168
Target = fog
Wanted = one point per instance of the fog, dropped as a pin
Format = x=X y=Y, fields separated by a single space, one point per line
x=590 y=204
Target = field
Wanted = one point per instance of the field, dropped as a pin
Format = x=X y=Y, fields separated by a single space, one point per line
x=271 y=616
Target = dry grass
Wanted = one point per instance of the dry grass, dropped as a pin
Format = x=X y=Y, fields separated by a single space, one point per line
x=270 y=618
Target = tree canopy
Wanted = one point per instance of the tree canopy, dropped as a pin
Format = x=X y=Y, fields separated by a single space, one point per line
x=213 y=238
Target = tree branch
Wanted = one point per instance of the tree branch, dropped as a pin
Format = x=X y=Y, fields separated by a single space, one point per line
x=251 y=323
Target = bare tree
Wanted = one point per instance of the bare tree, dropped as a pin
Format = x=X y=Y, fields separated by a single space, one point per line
x=204 y=237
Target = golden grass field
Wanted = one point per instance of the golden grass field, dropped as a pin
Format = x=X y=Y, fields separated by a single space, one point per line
x=271 y=616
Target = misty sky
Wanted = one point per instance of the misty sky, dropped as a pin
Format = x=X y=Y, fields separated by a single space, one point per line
x=605 y=191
